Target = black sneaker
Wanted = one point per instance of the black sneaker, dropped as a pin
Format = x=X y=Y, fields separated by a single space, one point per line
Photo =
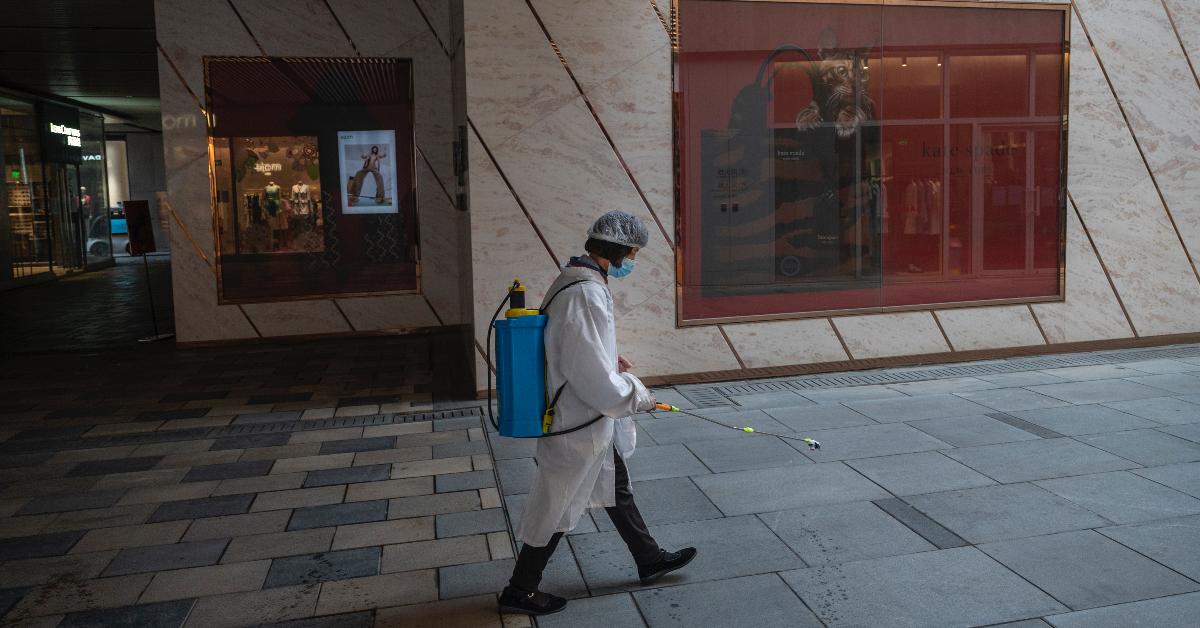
x=667 y=562
x=514 y=600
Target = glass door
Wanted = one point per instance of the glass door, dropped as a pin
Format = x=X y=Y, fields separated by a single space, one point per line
x=66 y=215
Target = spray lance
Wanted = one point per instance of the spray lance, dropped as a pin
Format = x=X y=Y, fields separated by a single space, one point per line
x=813 y=444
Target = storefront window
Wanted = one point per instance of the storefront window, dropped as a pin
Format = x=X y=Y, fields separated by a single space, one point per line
x=873 y=156
x=93 y=197
x=313 y=168
x=28 y=220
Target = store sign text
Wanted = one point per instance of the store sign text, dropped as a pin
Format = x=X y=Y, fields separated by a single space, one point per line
x=266 y=167
x=72 y=135
x=92 y=157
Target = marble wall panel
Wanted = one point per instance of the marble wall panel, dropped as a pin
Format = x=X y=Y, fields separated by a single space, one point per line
x=888 y=335
x=296 y=318
x=302 y=28
x=513 y=77
x=566 y=174
x=784 y=343
x=600 y=40
x=1186 y=15
x=438 y=12
x=503 y=246
x=1091 y=310
x=647 y=336
x=187 y=34
x=1152 y=79
x=1122 y=210
x=991 y=327
x=388 y=312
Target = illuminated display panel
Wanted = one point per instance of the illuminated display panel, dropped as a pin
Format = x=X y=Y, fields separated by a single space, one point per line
x=867 y=157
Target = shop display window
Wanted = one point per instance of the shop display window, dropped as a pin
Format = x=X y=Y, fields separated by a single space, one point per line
x=312 y=163
x=873 y=156
x=93 y=197
x=29 y=244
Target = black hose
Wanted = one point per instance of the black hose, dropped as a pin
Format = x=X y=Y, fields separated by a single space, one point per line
x=488 y=358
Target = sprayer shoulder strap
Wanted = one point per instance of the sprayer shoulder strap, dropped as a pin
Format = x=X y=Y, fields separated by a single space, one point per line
x=546 y=305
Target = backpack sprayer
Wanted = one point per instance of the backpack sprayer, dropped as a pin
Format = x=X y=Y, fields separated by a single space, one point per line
x=524 y=409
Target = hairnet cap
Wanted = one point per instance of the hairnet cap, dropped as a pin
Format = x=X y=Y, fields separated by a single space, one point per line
x=620 y=228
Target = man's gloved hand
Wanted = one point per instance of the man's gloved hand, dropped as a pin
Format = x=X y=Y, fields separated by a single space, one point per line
x=623 y=365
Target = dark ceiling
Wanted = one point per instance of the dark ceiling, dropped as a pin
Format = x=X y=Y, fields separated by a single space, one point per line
x=101 y=53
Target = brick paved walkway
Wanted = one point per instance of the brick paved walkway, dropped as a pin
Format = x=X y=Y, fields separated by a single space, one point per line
x=305 y=485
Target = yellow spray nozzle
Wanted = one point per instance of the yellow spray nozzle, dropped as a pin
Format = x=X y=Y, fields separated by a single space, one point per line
x=748 y=430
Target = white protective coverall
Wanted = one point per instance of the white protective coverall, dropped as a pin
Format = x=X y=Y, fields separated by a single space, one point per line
x=576 y=471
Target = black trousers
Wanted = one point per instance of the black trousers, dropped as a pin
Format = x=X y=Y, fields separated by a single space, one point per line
x=531 y=562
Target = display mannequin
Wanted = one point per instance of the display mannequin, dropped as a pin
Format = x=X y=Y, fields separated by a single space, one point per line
x=299 y=199
x=276 y=212
x=370 y=165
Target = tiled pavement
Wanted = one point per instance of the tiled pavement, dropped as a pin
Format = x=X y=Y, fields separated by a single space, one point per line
x=260 y=485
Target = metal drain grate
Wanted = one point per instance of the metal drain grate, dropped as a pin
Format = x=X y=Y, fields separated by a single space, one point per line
x=703 y=396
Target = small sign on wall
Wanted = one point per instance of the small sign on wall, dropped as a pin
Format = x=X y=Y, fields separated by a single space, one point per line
x=141 y=232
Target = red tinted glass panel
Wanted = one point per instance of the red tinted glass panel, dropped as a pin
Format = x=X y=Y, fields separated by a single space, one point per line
x=857 y=156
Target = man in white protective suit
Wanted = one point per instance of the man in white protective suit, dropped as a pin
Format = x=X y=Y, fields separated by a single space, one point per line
x=586 y=468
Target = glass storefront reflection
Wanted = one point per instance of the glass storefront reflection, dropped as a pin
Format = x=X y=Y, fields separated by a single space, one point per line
x=863 y=156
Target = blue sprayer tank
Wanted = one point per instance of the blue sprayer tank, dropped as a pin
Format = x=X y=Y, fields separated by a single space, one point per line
x=521 y=374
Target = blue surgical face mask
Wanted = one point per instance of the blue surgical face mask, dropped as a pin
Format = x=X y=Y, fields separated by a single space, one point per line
x=623 y=270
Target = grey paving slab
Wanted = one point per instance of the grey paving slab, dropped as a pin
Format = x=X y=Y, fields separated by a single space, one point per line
x=454 y=450
x=348 y=475
x=435 y=553
x=516 y=476
x=117 y=465
x=673 y=397
x=55 y=544
x=852 y=393
x=361 y=619
x=277 y=545
x=1171 y=542
x=470 y=522
x=1150 y=448
x=428 y=505
x=1084 y=419
x=751 y=601
x=255 y=607
x=678 y=429
x=768 y=490
x=1102 y=391
x=238 y=525
x=1009 y=511
x=1165 y=410
x=166 y=557
x=1085 y=569
x=1178 y=383
x=1181 y=477
x=1176 y=611
x=750 y=452
x=1028 y=623
x=1007 y=399
x=1025 y=378
x=68 y=502
x=1022 y=424
x=840 y=533
x=912 y=408
x=920 y=523
x=727 y=548
x=1122 y=497
x=924 y=472
x=229 y=471
x=516 y=508
x=780 y=399
x=868 y=441
x=161 y=614
x=1038 y=459
x=453 y=482
x=943 y=386
x=357 y=444
x=561 y=577
x=823 y=416
x=606 y=611
x=250 y=441
x=953 y=587
x=1190 y=431
x=323 y=567
x=669 y=500
x=1094 y=372
x=267 y=417
x=338 y=514
x=200 y=508
x=1162 y=366
x=971 y=431
x=664 y=461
